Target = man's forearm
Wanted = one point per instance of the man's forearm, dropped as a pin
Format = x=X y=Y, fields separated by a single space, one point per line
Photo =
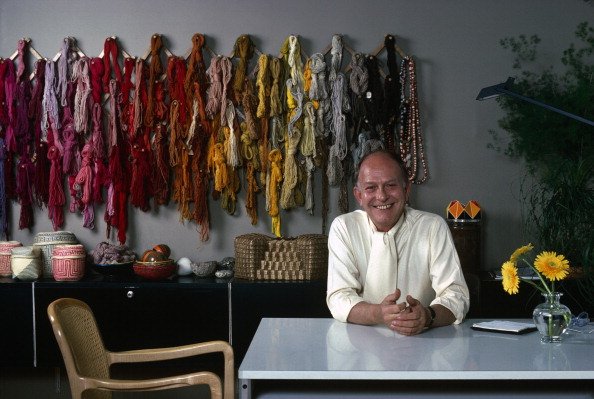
x=443 y=316
x=366 y=314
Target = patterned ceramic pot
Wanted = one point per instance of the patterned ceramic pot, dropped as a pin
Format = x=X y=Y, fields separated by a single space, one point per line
x=47 y=241
x=26 y=263
x=5 y=255
x=68 y=262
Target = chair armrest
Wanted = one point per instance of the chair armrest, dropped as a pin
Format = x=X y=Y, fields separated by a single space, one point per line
x=177 y=352
x=177 y=381
x=169 y=353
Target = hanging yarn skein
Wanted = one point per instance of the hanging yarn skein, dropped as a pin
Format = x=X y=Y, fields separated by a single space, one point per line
x=264 y=87
x=287 y=201
x=215 y=92
x=249 y=103
x=50 y=114
x=111 y=53
x=231 y=147
x=11 y=89
x=80 y=75
x=84 y=186
x=202 y=134
x=226 y=70
x=100 y=171
x=391 y=92
x=24 y=140
x=9 y=139
x=3 y=111
x=358 y=80
x=23 y=136
x=278 y=122
x=96 y=70
x=127 y=116
x=337 y=126
x=195 y=86
x=244 y=49
x=275 y=158
x=374 y=100
x=42 y=164
x=196 y=71
x=161 y=171
x=56 y=199
x=3 y=215
x=116 y=213
x=155 y=71
x=294 y=85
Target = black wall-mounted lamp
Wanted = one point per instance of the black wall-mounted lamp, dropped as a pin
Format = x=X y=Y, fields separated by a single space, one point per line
x=505 y=88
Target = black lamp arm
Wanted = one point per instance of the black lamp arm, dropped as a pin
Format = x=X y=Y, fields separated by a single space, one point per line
x=504 y=88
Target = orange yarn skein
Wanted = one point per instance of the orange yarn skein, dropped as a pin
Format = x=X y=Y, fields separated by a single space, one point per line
x=275 y=157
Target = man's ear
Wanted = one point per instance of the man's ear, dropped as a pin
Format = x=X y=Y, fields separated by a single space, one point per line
x=407 y=191
x=357 y=194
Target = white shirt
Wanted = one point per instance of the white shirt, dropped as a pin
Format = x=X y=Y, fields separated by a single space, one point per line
x=427 y=265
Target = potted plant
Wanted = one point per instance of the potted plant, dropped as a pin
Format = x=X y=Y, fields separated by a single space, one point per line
x=557 y=192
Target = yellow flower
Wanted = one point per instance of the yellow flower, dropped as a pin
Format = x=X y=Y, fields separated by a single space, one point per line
x=519 y=252
x=552 y=266
x=511 y=281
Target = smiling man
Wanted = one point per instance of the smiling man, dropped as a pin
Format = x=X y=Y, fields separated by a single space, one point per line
x=391 y=264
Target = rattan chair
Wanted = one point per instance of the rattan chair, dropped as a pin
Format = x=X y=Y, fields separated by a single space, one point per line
x=88 y=362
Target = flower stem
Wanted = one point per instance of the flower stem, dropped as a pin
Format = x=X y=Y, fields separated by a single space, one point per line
x=544 y=283
x=538 y=287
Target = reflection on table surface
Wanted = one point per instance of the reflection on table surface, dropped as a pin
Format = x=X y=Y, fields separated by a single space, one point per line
x=328 y=349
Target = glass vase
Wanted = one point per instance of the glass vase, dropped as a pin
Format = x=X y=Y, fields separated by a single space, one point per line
x=551 y=318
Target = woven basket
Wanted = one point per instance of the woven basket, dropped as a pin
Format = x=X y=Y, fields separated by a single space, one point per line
x=261 y=257
x=26 y=263
x=5 y=254
x=68 y=262
x=46 y=242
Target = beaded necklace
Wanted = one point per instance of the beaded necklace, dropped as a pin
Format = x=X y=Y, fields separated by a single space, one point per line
x=411 y=140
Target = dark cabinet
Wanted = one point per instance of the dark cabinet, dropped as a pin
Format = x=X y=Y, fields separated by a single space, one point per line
x=16 y=328
x=253 y=300
x=136 y=315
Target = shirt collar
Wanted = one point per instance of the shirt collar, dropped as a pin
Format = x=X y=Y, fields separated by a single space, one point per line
x=394 y=229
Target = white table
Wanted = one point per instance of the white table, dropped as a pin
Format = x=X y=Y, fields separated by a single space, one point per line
x=298 y=352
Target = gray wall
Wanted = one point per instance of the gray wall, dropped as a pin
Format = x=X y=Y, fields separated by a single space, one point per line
x=456 y=47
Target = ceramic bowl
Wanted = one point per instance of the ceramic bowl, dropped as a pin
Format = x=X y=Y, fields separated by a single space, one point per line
x=113 y=269
x=159 y=270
